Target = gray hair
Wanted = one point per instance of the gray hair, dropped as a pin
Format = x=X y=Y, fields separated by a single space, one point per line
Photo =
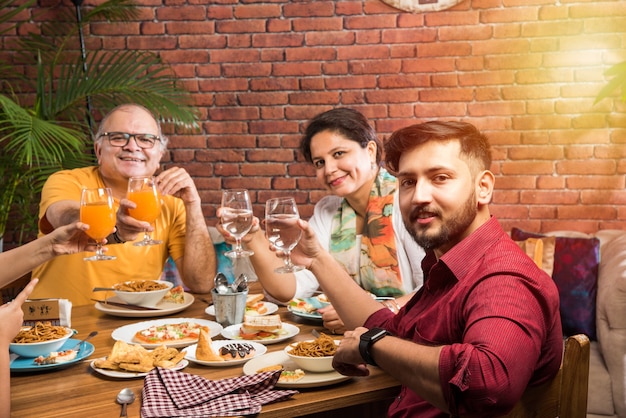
x=98 y=136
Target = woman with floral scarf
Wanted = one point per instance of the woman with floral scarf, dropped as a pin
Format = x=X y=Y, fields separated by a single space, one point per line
x=359 y=222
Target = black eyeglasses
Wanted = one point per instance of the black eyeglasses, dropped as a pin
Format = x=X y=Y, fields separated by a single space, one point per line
x=121 y=139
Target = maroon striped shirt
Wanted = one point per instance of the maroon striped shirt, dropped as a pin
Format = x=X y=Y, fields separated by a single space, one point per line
x=497 y=316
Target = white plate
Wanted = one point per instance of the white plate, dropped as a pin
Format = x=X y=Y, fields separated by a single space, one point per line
x=131 y=375
x=259 y=350
x=271 y=308
x=127 y=332
x=310 y=379
x=232 y=333
x=164 y=308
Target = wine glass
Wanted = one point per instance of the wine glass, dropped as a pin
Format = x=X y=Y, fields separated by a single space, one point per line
x=282 y=230
x=97 y=210
x=143 y=192
x=236 y=216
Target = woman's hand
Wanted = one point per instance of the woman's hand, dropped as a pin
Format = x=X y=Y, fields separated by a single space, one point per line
x=11 y=314
x=246 y=238
x=331 y=319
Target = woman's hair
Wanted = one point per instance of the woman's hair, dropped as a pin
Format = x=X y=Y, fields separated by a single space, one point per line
x=346 y=122
x=123 y=107
x=474 y=145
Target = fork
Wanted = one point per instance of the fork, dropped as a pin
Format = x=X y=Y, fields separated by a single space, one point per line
x=77 y=346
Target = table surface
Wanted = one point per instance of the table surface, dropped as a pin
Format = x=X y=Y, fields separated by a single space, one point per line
x=78 y=391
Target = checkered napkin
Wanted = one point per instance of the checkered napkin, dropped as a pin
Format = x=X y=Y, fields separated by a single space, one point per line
x=169 y=393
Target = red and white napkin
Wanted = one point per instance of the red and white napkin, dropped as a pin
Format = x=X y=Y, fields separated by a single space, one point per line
x=169 y=393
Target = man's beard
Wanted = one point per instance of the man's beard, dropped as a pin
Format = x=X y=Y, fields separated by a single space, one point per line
x=451 y=228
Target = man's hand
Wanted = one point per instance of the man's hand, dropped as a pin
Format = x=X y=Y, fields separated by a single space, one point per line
x=347 y=359
x=177 y=182
x=128 y=228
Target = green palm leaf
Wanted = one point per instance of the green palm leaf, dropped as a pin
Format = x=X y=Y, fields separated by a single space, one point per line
x=31 y=140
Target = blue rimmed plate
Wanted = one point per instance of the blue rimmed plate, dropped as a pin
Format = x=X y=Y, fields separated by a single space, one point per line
x=27 y=364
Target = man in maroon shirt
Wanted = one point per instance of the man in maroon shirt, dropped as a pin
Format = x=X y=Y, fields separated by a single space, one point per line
x=486 y=323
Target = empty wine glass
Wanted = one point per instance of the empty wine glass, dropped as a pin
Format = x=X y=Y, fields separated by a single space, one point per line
x=236 y=217
x=282 y=230
x=143 y=192
x=97 y=210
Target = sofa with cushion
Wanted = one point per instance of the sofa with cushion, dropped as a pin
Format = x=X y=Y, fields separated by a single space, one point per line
x=590 y=272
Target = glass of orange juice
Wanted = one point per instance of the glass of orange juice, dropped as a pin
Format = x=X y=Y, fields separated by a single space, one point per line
x=143 y=192
x=97 y=211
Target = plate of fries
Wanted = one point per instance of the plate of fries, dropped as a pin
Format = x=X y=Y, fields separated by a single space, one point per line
x=129 y=361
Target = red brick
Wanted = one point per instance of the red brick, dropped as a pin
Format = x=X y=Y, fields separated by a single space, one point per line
x=318 y=24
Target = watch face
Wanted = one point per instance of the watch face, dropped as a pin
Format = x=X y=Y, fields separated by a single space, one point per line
x=374 y=334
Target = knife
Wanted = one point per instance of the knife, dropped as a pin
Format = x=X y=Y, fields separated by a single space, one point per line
x=126 y=305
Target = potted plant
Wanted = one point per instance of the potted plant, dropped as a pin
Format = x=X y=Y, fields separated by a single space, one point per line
x=45 y=122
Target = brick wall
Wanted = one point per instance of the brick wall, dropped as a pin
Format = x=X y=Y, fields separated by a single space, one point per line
x=526 y=72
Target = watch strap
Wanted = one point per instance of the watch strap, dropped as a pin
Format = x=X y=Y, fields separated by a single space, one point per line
x=366 y=342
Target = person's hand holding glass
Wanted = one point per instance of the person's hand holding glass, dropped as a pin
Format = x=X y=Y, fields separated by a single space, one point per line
x=282 y=230
x=143 y=192
x=97 y=211
x=236 y=218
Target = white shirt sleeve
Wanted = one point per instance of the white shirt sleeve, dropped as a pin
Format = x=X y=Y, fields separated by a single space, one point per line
x=321 y=223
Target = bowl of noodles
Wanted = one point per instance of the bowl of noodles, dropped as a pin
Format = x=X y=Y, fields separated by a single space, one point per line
x=314 y=355
x=146 y=293
x=40 y=339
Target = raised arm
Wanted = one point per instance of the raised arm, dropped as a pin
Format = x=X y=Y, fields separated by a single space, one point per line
x=198 y=265
x=66 y=239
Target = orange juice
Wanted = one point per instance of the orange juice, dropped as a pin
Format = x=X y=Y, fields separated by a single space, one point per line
x=100 y=217
x=148 y=205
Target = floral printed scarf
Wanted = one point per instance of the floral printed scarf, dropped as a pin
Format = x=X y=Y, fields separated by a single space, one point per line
x=375 y=266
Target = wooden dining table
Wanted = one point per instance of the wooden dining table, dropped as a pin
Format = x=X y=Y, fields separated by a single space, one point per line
x=78 y=391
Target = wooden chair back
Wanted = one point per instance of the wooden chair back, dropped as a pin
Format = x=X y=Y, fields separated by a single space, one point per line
x=566 y=395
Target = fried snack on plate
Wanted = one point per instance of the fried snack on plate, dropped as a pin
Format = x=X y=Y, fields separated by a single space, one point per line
x=135 y=358
x=204 y=350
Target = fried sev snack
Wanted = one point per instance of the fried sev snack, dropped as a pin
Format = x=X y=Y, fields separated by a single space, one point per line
x=126 y=357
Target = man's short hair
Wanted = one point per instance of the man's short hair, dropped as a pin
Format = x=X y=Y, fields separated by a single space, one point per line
x=474 y=145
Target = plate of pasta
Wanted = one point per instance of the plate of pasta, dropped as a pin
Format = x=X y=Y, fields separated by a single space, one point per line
x=40 y=339
x=28 y=364
x=164 y=307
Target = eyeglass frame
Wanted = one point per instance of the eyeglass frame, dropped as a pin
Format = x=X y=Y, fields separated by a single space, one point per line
x=128 y=136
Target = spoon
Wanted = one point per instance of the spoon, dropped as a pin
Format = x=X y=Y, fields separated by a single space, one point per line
x=240 y=284
x=77 y=346
x=101 y=289
x=125 y=397
x=221 y=283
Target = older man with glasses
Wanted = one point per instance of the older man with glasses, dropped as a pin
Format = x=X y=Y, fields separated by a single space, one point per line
x=129 y=143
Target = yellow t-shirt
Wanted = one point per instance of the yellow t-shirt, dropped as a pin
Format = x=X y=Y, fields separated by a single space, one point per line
x=70 y=277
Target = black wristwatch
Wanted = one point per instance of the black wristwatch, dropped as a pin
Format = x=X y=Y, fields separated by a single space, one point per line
x=117 y=238
x=367 y=340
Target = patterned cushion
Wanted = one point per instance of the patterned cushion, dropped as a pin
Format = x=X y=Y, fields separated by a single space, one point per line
x=575 y=273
